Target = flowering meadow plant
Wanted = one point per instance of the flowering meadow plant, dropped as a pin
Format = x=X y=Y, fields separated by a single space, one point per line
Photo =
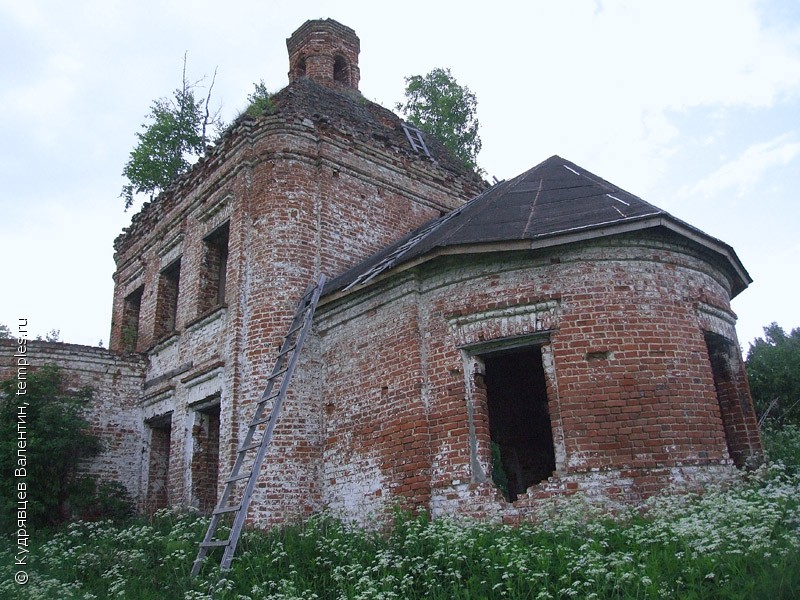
x=741 y=541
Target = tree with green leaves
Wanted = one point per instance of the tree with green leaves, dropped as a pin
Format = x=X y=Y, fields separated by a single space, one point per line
x=437 y=104
x=57 y=441
x=179 y=130
x=773 y=369
x=5 y=332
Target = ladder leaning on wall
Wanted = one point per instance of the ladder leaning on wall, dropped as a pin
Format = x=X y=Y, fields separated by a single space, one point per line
x=253 y=448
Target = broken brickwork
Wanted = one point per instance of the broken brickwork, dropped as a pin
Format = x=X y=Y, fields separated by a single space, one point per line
x=320 y=182
x=116 y=383
x=476 y=350
x=631 y=396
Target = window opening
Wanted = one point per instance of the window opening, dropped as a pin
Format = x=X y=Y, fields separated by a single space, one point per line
x=340 y=70
x=719 y=353
x=519 y=420
x=158 y=472
x=167 y=302
x=215 y=262
x=205 y=461
x=132 y=308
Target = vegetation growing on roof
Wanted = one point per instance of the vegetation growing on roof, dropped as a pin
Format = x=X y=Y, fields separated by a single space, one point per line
x=177 y=133
x=438 y=105
x=259 y=101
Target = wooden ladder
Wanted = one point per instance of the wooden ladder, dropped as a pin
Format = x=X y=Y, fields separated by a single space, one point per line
x=259 y=435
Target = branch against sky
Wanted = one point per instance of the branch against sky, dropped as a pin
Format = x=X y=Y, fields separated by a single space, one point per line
x=176 y=135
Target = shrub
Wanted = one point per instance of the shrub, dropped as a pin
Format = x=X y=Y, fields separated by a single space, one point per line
x=57 y=440
x=783 y=445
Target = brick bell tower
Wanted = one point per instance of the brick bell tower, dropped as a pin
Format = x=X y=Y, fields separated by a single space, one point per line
x=325 y=51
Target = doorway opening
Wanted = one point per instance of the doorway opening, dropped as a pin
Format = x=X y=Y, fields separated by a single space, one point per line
x=158 y=473
x=722 y=354
x=205 y=462
x=523 y=453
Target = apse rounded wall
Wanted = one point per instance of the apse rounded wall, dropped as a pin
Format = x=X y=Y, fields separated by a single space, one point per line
x=615 y=333
x=625 y=329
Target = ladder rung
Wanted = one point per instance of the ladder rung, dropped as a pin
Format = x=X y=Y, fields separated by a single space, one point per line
x=249 y=447
x=226 y=509
x=278 y=373
x=215 y=544
x=268 y=398
x=286 y=351
x=261 y=421
x=294 y=330
x=239 y=477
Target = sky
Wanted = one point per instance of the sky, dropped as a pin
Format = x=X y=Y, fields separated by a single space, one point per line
x=692 y=105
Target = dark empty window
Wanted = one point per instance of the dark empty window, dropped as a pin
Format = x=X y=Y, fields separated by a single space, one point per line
x=131 y=309
x=723 y=357
x=158 y=474
x=519 y=420
x=300 y=67
x=340 y=70
x=205 y=461
x=167 y=301
x=215 y=268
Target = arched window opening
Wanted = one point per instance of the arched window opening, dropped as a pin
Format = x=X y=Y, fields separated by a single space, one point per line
x=300 y=67
x=341 y=72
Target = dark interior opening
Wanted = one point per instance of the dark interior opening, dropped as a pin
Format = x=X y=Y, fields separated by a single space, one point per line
x=132 y=308
x=519 y=420
x=205 y=462
x=214 y=277
x=724 y=383
x=340 y=70
x=167 y=301
x=160 y=442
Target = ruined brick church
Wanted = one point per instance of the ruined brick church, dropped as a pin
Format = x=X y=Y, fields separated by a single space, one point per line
x=552 y=327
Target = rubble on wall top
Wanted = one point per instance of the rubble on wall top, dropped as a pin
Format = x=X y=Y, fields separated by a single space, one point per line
x=343 y=110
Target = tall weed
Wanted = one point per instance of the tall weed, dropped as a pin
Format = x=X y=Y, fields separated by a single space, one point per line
x=740 y=542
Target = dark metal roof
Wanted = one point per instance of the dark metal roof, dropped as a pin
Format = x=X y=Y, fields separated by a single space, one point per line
x=554 y=202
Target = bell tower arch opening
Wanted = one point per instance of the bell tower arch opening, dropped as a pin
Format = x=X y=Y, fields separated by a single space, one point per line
x=325 y=51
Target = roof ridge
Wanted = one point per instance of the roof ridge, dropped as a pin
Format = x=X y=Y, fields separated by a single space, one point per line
x=554 y=200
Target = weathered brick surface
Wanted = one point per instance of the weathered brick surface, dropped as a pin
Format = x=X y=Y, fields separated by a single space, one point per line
x=116 y=382
x=326 y=51
x=632 y=400
x=643 y=376
x=316 y=186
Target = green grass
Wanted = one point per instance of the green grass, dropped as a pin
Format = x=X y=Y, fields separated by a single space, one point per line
x=737 y=543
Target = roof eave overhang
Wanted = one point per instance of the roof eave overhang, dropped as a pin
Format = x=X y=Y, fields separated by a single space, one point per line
x=740 y=278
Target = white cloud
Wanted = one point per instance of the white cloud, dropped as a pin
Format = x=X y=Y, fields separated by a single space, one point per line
x=744 y=173
x=613 y=85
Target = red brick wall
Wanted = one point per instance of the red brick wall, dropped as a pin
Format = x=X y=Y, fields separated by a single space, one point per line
x=377 y=442
x=314 y=49
x=300 y=197
x=621 y=324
